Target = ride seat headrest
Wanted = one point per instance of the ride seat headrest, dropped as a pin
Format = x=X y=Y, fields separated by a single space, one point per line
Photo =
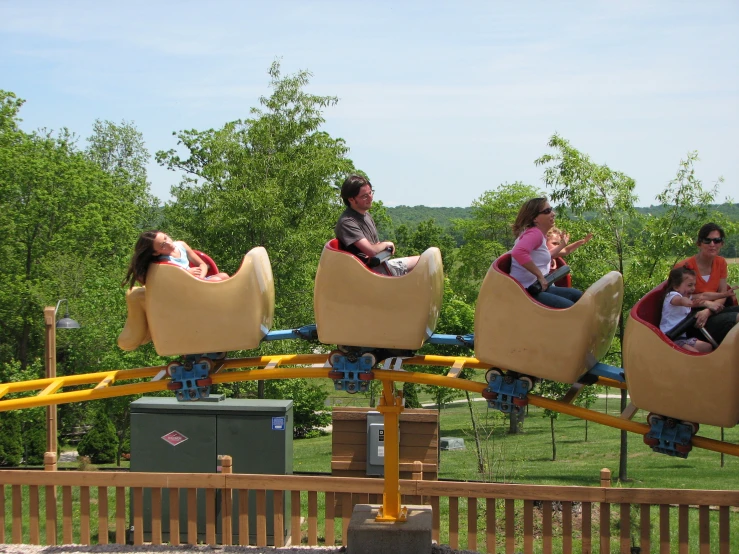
x=649 y=308
x=504 y=263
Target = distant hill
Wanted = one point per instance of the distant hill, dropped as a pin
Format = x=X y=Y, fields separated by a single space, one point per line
x=411 y=216
x=729 y=210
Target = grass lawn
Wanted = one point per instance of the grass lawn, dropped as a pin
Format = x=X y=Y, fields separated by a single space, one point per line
x=527 y=457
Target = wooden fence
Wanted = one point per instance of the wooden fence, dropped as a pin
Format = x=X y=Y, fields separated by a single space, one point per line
x=478 y=516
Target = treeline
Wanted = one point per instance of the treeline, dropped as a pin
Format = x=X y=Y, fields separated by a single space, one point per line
x=71 y=210
x=447 y=218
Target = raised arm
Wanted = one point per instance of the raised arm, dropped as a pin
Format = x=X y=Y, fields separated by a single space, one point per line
x=570 y=248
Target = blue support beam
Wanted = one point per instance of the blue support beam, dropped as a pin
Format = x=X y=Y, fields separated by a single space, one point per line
x=466 y=341
x=306 y=332
x=608 y=371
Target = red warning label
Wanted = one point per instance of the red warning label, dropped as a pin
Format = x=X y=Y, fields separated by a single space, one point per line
x=174 y=438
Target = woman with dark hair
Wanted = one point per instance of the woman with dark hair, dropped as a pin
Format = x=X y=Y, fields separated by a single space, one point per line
x=711 y=285
x=531 y=258
x=153 y=246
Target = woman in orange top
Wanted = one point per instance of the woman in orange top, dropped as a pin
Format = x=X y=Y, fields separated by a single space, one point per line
x=711 y=285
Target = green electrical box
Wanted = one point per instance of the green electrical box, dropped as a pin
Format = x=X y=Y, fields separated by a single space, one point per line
x=168 y=436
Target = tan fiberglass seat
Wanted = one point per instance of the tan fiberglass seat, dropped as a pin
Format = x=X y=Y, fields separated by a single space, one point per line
x=515 y=332
x=182 y=314
x=667 y=380
x=356 y=307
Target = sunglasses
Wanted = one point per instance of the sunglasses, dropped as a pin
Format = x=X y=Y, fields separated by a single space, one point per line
x=714 y=241
x=547 y=211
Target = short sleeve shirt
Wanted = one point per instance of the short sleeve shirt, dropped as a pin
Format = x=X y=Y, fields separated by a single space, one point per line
x=672 y=315
x=182 y=261
x=352 y=227
x=718 y=271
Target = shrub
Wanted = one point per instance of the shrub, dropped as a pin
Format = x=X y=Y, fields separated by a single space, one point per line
x=11 y=444
x=34 y=445
x=100 y=443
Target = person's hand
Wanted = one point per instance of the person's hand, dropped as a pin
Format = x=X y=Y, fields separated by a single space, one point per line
x=390 y=245
x=715 y=307
x=194 y=271
x=701 y=318
x=543 y=282
x=587 y=238
x=564 y=238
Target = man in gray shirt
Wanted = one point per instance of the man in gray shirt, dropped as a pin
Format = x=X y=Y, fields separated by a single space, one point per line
x=357 y=232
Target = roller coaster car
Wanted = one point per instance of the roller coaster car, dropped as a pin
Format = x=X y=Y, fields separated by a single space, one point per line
x=356 y=307
x=182 y=314
x=665 y=379
x=515 y=332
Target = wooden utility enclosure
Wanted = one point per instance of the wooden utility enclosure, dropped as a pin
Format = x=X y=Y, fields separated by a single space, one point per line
x=419 y=449
x=419 y=441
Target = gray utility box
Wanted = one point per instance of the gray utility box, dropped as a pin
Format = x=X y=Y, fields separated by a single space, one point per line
x=375 y=444
x=168 y=436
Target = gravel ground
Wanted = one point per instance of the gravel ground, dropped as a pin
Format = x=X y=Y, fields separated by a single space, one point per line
x=151 y=549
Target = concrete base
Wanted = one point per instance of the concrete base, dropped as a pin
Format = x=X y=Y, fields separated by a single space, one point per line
x=367 y=536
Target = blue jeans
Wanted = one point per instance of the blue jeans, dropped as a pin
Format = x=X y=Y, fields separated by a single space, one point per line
x=558 y=297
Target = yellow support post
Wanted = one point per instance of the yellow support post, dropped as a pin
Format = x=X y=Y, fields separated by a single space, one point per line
x=391 y=405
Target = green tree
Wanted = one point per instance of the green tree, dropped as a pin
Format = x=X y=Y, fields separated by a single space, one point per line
x=11 y=443
x=70 y=218
x=429 y=234
x=100 y=443
x=487 y=235
x=269 y=180
x=64 y=222
x=120 y=151
x=555 y=390
x=597 y=198
x=34 y=436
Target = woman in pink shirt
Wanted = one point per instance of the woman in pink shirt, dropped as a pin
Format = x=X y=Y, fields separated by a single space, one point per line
x=531 y=258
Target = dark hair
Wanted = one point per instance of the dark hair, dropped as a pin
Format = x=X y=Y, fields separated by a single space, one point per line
x=351 y=186
x=677 y=275
x=143 y=255
x=527 y=214
x=707 y=229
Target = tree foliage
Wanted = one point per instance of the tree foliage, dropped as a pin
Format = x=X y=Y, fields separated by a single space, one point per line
x=268 y=180
x=64 y=221
x=11 y=444
x=487 y=235
x=100 y=443
x=641 y=248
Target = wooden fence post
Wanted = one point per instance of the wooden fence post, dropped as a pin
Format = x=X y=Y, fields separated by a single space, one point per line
x=226 y=463
x=417 y=475
x=605 y=477
x=605 y=513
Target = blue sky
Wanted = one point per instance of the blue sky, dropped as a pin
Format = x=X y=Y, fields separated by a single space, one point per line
x=439 y=101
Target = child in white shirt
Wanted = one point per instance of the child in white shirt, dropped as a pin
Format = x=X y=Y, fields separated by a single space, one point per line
x=677 y=305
